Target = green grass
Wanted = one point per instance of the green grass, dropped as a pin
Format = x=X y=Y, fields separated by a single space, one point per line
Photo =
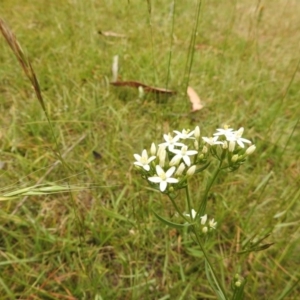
x=103 y=242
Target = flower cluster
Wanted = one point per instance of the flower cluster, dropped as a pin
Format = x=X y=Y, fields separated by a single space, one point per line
x=205 y=227
x=182 y=154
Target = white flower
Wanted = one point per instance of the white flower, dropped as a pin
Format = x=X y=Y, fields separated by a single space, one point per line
x=143 y=161
x=170 y=141
x=212 y=224
x=203 y=219
x=193 y=213
x=237 y=137
x=212 y=140
x=250 y=150
x=182 y=154
x=185 y=134
x=226 y=131
x=163 y=178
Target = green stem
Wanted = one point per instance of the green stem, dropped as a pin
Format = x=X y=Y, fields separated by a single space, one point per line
x=188 y=200
x=202 y=206
x=220 y=286
x=176 y=207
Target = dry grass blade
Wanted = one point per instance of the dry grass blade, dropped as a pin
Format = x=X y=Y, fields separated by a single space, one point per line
x=23 y=60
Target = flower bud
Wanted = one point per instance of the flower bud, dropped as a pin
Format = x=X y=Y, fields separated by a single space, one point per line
x=162 y=157
x=250 y=150
x=204 y=150
x=225 y=145
x=141 y=92
x=204 y=229
x=160 y=149
x=115 y=68
x=191 y=171
x=175 y=161
x=238 y=283
x=180 y=169
x=234 y=158
x=153 y=149
x=231 y=146
x=196 y=144
x=197 y=132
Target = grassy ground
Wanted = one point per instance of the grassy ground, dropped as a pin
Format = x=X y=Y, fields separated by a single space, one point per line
x=104 y=242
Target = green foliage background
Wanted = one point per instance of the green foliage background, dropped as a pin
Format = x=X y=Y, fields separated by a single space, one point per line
x=104 y=242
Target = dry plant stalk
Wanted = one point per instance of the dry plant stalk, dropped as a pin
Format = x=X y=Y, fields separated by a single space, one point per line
x=23 y=60
x=29 y=72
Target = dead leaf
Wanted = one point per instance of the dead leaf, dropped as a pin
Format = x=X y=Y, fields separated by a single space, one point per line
x=147 y=88
x=195 y=99
x=112 y=34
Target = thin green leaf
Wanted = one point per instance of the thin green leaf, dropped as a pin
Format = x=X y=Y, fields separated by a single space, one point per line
x=169 y=223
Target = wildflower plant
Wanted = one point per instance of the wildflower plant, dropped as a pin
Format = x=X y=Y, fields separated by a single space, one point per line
x=182 y=155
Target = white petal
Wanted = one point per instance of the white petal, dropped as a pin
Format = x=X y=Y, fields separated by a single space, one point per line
x=176 y=151
x=163 y=186
x=170 y=172
x=187 y=160
x=155 y=179
x=159 y=170
x=203 y=219
x=137 y=157
x=151 y=159
x=240 y=143
x=137 y=163
x=146 y=167
x=145 y=154
x=191 y=152
x=171 y=180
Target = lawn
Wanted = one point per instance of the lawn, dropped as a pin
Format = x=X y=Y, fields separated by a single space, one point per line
x=100 y=238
